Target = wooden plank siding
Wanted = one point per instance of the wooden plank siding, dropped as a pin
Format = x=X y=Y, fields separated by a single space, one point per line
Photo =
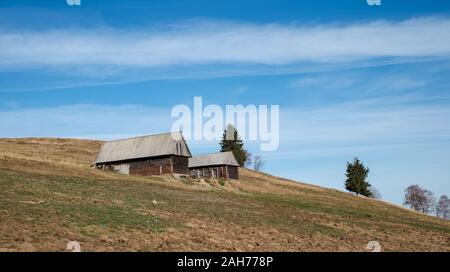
x=233 y=172
x=210 y=172
x=163 y=165
x=180 y=165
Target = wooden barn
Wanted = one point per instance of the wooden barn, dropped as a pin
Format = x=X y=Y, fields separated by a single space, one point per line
x=217 y=165
x=147 y=155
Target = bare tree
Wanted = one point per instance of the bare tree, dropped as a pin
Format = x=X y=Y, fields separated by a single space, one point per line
x=249 y=162
x=443 y=207
x=430 y=202
x=258 y=163
x=414 y=197
x=375 y=194
x=419 y=199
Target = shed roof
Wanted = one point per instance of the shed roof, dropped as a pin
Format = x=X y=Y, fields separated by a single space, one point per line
x=144 y=147
x=222 y=158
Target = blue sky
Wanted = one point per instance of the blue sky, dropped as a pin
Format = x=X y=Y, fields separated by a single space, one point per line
x=351 y=79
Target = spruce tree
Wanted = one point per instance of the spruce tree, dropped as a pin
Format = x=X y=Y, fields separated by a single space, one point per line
x=356 y=178
x=231 y=141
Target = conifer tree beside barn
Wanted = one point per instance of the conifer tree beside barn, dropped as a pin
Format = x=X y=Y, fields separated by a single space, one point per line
x=231 y=141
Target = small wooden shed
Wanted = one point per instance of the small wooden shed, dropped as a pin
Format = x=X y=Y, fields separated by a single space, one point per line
x=218 y=165
x=158 y=154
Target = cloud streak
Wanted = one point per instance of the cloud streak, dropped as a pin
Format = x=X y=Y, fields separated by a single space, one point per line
x=357 y=124
x=84 y=121
x=218 y=42
x=366 y=122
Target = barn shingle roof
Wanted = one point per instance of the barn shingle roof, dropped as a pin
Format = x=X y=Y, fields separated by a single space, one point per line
x=143 y=147
x=222 y=158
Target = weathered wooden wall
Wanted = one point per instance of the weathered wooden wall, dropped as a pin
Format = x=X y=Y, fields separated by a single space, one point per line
x=180 y=165
x=150 y=166
x=171 y=165
x=233 y=172
x=223 y=172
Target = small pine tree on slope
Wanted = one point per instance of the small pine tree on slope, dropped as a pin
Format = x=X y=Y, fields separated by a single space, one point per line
x=356 y=178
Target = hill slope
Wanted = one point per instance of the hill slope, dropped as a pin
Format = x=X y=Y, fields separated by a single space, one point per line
x=49 y=196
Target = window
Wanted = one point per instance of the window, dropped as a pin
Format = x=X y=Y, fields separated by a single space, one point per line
x=214 y=172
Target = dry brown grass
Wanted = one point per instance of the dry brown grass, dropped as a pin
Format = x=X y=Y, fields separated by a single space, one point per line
x=50 y=195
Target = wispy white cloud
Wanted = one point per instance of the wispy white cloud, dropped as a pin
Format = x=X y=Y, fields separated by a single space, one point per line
x=224 y=42
x=84 y=121
x=366 y=122
x=324 y=130
x=333 y=82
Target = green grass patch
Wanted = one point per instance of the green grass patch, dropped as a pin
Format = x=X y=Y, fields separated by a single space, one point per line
x=221 y=182
x=108 y=216
x=317 y=207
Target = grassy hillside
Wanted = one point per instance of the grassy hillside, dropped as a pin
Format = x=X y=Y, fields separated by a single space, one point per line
x=49 y=196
